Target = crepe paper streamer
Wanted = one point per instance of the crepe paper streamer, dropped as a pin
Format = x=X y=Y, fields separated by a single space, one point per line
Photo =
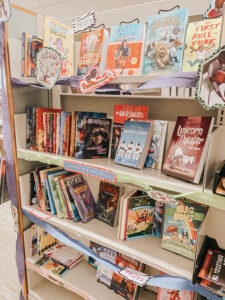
x=10 y=171
x=162 y=281
x=5 y=11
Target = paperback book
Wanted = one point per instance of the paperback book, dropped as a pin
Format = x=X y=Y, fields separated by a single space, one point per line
x=44 y=240
x=102 y=252
x=52 y=267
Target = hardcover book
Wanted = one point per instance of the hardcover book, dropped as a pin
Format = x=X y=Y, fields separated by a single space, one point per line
x=134 y=144
x=186 y=154
x=96 y=138
x=93 y=51
x=202 y=39
x=181 y=226
x=125 y=49
x=164 y=42
x=107 y=207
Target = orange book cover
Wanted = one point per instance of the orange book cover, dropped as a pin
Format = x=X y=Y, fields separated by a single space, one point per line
x=72 y=133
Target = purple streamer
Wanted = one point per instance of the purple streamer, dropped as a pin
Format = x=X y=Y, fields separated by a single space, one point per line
x=10 y=171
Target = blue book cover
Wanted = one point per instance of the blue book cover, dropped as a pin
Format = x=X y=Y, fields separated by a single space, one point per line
x=165 y=42
x=134 y=144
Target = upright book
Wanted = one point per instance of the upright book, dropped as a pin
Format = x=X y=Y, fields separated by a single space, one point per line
x=164 y=42
x=125 y=50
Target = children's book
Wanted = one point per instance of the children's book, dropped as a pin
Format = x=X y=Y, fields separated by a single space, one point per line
x=60 y=37
x=93 y=50
x=44 y=240
x=102 y=252
x=64 y=134
x=134 y=144
x=125 y=49
x=186 y=154
x=181 y=226
x=52 y=267
x=96 y=138
x=202 y=39
x=156 y=149
x=165 y=41
x=107 y=207
x=34 y=235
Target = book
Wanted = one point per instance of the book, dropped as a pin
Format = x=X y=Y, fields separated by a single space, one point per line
x=34 y=235
x=36 y=45
x=107 y=207
x=165 y=41
x=123 y=113
x=52 y=267
x=73 y=134
x=125 y=49
x=64 y=132
x=102 y=252
x=96 y=138
x=134 y=144
x=181 y=226
x=60 y=37
x=156 y=149
x=65 y=255
x=93 y=51
x=26 y=37
x=23 y=55
x=202 y=39
x=187 y=151
x=44 y=240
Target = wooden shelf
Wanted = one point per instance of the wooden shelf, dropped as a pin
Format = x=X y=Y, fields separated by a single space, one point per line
x=147 y=249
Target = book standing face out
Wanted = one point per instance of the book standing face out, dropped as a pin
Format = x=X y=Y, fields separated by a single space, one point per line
x=125 y=49
x=164 y=42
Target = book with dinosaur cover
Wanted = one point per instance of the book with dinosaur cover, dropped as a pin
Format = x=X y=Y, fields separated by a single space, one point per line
x=181 y=225
x=202 y=39
x=125 y=50
x=165 y=41
x=186 y=154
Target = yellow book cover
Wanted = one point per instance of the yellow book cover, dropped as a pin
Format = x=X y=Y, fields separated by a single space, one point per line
x=202 y=39
x=60 y=37
x=45 y=240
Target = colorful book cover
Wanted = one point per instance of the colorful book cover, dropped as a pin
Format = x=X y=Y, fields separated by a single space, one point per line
x=58 y=133
x=134 y=144
x=96 y=138
x=215 y=9
x=36 y=45
x=41 y=261
x=181 y=225
x=29 y=46
x=202 y=39
x=33 y=192
x=44 y=240
x=164 y=42
x=80 y=126
x=68 y=134
x=23 y=55
x=50 y=147
x=34 y=235
x=125 y=49
x=107 y=206
x=33 y=144
x=46 y=130
x=102 y=252
x=28 y=126
x=54 y=133
x=60 y=37
x=92 y=51
x=63 y=133
x=59 y=196
x=60 y=189
x=123 y=113
x=185 y=157
x=53 y=267
x=156 y=149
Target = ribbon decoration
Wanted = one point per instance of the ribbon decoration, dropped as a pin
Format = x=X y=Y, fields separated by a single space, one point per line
x=162 y=281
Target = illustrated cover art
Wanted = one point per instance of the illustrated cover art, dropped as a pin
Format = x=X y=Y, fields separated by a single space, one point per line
x=92 y=51
x=80 y=126
x=96 y=138
x=54 y=267
x=181 y=225
x=202 y=39
x=156 y=149
x=60 y=37
x=125 y=49
x=44 y=240
x=107 y=206
x=31 y=128
x=134 y=143
x=34 y=235
x=186 y=153
x=215 y=9
x=164 y=42
x=102 y=252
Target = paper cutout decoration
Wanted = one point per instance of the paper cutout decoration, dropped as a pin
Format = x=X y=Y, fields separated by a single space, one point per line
x=162 y=197
x=48 y=67
x=215 y=9
x=92 y=80
x=210 y=87
x=5 y=11
x=83 y=23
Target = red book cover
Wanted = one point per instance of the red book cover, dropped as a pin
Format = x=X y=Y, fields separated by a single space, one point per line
x=185 y=157
x=123 y=113
x=68 y=133
x=54 y=132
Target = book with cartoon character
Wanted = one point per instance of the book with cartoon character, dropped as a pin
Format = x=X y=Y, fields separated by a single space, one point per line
x=181 y=225
x=202 y=39
x=164 y=42
x=187 y=151
x=60 y=37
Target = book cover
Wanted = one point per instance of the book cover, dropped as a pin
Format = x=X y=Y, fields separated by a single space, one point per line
x=107 y=206
x=165 y=41
x=102 y=252
x=134 y=144
x=60 y=37
x=92 y=51
x=59 y=195
x=34 y=235
x=33 y=144
x=23 y=55
x=45 y=240
x=185 y=157
x=28 y=127
x=125 y=49
x=63 y=132
x=96 y=138
x=53 y=267
x=181 y=225
x=156 y=149
x=202 y=39
x=65 y=255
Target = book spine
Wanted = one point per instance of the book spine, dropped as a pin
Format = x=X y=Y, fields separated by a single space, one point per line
x=33 y=130
x=61 y=132
x=68 y=132
x=23 y=55
x=54 y=132
x=45 y=129
x=72 y=135
x=50 y=133
x=44 y=191
x=50 y=197
x=29 y=46
x=28 y=127
x=37 y=128
x=60 y=198
x=56 y=200
x=58 y=133
x=67 y=204
x=33 y=56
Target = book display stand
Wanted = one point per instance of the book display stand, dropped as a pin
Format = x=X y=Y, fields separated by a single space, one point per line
x=165 y=103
